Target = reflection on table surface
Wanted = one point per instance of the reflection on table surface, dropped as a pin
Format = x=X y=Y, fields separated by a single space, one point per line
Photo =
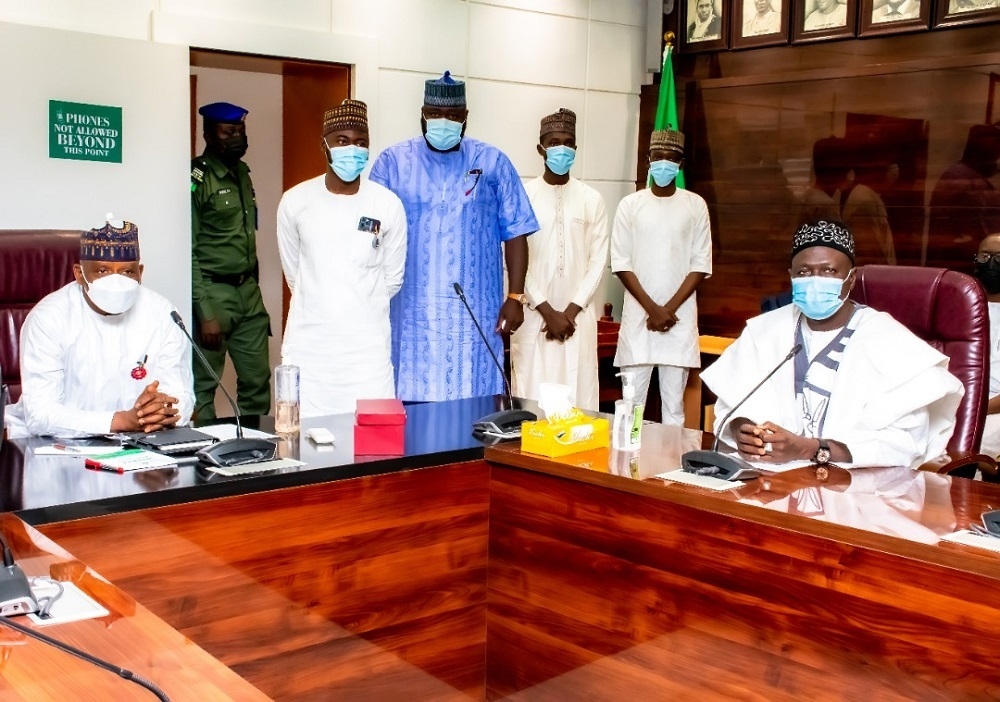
x=918 y=506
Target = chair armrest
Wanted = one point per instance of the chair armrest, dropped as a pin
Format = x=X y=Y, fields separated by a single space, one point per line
x=947 y=464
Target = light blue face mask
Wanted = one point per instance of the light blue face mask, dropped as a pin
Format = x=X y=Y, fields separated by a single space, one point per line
x=443 y=134
x=817 y=296
x=347 y=161
x=664 y=172
x=559 y=159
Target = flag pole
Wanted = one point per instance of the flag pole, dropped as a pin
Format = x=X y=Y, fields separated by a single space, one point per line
x=666 y=106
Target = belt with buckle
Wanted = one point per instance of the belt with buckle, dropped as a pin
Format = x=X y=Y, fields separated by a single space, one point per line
x=234 y=279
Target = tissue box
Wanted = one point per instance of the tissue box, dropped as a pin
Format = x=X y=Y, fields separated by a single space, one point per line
x=379 y=428
x=561 y=438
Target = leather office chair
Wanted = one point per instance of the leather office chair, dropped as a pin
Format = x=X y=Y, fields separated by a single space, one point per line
x=33 y=263
x=948 y=310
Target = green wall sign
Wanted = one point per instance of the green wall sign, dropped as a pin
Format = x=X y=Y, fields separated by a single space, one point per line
x=85 y=132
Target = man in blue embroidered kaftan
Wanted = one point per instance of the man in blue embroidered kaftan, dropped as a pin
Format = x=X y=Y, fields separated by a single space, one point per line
x=463 y=200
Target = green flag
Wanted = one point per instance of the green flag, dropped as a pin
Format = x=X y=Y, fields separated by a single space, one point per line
x=666 y=108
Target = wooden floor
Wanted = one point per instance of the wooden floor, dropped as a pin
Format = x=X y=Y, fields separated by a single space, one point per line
x=482 y=581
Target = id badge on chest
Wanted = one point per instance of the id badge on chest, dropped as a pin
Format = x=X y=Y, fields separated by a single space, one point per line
x=371 y=226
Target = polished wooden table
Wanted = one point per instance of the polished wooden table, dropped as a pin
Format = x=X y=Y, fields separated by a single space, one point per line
x=460 y=572
x=130 y=637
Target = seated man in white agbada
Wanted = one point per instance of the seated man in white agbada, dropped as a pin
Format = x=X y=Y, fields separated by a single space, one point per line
x=862 y=390
x=102 y=354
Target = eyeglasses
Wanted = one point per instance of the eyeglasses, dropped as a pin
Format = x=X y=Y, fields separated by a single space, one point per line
x=987 y=257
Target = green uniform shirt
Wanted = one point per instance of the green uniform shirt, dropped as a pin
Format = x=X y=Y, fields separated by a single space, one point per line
x=223 y=225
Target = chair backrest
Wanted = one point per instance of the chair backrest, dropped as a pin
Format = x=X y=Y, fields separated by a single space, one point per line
x=948 y=310
x=33 y=263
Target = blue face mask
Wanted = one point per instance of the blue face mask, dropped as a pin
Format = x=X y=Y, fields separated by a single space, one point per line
x=443 y=134
x=347 y=161
x=664 y=172
x=559 y=159
x=817 y=296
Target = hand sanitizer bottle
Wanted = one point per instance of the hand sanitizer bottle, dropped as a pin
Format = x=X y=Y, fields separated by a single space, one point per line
x=626 y=434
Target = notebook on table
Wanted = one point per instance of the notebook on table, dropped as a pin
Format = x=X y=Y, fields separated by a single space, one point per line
x=175 y=440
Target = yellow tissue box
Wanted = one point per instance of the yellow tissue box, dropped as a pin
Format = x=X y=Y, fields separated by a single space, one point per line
x=578 y=432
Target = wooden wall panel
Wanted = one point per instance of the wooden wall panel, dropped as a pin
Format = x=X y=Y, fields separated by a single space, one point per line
x=372 y=588
x=608 y=595
x=751 y=119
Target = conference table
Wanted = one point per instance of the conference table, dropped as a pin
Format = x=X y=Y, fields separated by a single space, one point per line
x=459 y=571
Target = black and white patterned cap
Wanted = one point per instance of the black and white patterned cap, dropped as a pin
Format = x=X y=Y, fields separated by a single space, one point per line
x=821 y=232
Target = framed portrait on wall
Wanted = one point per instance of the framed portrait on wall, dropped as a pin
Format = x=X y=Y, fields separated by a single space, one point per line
x=704 y=25
x=954 y=13
x=759 y=23
x=880 y=17
x=820 y=20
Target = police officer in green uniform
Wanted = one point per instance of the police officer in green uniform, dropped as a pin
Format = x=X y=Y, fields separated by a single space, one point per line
x=228 y=306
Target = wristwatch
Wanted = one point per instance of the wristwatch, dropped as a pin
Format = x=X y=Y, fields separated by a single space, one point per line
x=822 y=456
x=519 y=297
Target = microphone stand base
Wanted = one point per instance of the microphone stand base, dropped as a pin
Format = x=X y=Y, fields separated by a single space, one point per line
x=504 y=424
x=718 y=465
x=239 y=451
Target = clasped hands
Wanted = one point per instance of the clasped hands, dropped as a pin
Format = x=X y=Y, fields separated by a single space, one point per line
x=558 y=326
x=660 y=319
x=770 y=443
x=152 y=411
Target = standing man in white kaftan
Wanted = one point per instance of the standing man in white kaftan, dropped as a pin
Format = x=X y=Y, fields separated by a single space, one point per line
x=102 y=354
x=661 y=250
x=861 y=388
x=566 y=259
x=467 y=213
x=342 y=241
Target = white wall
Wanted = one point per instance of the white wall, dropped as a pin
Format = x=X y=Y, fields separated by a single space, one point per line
x=147 y=187
x=521 y=58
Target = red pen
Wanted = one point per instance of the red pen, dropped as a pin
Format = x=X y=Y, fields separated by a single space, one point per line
x=95 y=465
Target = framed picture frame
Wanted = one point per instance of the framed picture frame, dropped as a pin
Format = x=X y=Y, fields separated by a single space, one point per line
x=822 y=20
x=704 y=25
x=956 y=13
x=759 y=23
x=880 y=17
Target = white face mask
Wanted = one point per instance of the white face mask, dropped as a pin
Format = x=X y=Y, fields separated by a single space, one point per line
x=113 y=294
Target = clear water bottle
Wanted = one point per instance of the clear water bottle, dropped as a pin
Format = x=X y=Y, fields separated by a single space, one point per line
x=286 y=399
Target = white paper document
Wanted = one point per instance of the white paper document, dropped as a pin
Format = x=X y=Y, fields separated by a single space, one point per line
x=73 y=605
x=248 y=468
x=703 y=481
x=970 y=538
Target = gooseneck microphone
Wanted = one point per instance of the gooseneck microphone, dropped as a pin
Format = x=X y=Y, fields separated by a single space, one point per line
x=230 y=452
x=505 y=423
x=720 y=465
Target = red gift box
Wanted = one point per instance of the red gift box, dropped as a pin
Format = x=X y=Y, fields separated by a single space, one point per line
x=379 y=427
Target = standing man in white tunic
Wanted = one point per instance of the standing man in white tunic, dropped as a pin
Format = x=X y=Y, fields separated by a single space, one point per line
x=566 y=258
x=342 y=241
x=102 y=354
x=661 y=250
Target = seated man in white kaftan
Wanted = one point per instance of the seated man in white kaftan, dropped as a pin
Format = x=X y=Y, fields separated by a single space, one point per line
x=863 y=389
x=102 y=354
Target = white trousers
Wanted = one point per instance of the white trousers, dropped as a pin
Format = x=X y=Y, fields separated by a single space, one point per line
x=673 y=379
x=991 y=436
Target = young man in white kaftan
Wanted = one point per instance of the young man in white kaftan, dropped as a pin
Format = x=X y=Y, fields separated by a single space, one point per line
x=342 y=241
x=661 y=250
x=566 y=259
x=464 y=205
x=862 y=389
x=102 y=354
x=987 y=270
